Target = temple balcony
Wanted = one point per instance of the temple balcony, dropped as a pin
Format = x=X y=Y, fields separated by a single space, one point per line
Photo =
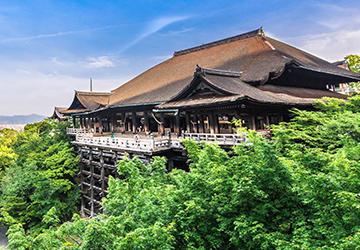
x=147 y=144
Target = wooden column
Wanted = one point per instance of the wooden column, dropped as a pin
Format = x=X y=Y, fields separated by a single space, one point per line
x=81 y=182
x=267 y=120
x=102 y=174
x=146 y=121
x=194 y=124
x=201 y=125
x=177 y=124
x=92 y=208
x=188 y=125
x=211 y=123
x=216 y=123
x=252 y=123
x=74 y=121
x=100 y=125
x=133 y=117
x=162 y=124
x=123 y=120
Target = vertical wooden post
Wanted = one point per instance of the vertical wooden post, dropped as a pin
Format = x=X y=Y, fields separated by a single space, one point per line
x=134 y=125
x=123 y=120
x=211 y=123
x=81 y=181
x=91 y=183
x=188 y=125
x=100 y=125
x=146 y=121
x=162 y=124
x=252 y=122
x=267 y=119
x=102 y=174
x=201 y=125
x=177 y=124
x=216 y=123
x=74 y=121
x=195 y=124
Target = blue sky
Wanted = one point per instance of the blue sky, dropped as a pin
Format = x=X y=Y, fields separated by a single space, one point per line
x=50 y=48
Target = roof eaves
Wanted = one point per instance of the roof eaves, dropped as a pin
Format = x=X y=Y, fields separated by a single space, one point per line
x=328 y=72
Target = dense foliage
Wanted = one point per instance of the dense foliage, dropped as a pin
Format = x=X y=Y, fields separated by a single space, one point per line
x=299 y=190
x=39 y=167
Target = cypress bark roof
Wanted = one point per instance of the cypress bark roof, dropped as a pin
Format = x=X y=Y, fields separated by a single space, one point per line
x=260 y=59
x=86 y=101
x=248 y=66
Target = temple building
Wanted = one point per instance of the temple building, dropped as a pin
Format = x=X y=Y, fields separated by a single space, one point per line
x=199 y=90
x=195 y=94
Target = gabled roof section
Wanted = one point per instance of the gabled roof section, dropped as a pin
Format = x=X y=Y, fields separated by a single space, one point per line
x=260 y=59
x=87 y=101
x=58 y=113
x=240 y=91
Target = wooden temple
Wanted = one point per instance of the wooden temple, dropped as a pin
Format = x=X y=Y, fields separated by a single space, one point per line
x=195 y=94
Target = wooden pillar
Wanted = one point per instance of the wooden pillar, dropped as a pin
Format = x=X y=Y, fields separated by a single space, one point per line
x=123 y=120
x=92 y=208
x=267 y=120
x=188 y=125
x=81 y=181
x=211 y=123
x=201 y=125
x=146 y=122
x=112 y=122
x=216 y=123
x=194 y=124
x=102 y=174
x=162 y=124
x=100 y=125
x=134 y=125
x=177 y=124
x=252 y=123
x=74 y=121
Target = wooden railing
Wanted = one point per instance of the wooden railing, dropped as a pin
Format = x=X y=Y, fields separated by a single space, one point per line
x=143 y=145
x=76 y=131
x=153 y=144
x=221 y=139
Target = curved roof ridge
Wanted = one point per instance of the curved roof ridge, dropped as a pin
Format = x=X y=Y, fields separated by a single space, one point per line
x=222 y=41
x=92 y=93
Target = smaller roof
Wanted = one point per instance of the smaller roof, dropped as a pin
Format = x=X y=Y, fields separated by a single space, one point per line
x=230 y=89
x=58 y=113
x=87 y=101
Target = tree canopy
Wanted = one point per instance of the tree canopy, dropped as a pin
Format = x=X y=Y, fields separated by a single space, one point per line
x=299 y=190
x=39 y=168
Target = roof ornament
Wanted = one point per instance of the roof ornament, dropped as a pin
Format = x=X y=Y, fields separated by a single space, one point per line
x=90 y=84
x=261 y=31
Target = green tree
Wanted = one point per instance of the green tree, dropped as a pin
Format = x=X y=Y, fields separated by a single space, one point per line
x=299 y=190
x=354 y=62
x=41 y=177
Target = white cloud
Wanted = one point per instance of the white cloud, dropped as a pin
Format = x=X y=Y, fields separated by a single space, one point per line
x=29 y=38
x=100 y=62
x=153 y=27
x=332 y=46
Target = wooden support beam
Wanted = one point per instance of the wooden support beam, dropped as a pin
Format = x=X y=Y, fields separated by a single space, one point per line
x=162 y=124
x=134 y=125
x=146 y=122
x=216 y=123
x=91 y=184
x=188 y=125
x=201 y=125
x=177 y=124
x=102 y=173
x=123 y=120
